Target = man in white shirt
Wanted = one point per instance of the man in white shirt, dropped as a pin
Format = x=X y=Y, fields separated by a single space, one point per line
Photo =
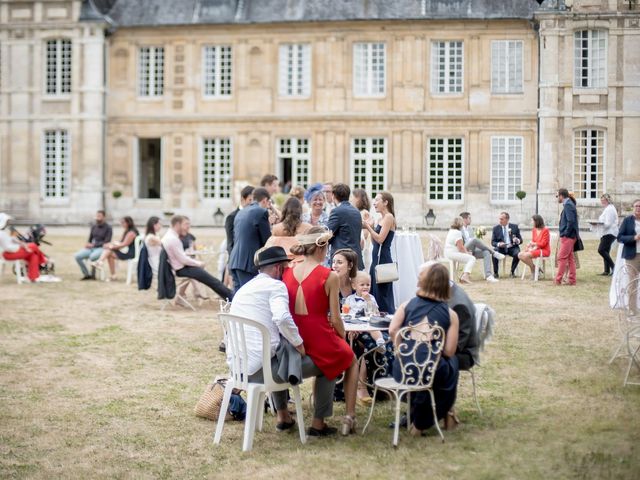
x=265 y=299
x=185 y=266
x=478 y=248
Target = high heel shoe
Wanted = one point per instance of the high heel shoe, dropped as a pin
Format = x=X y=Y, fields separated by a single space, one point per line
x=348 y=425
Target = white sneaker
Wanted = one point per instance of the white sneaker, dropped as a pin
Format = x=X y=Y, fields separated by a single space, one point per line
x=48 y=279
x=492 y=279
x=498 y=255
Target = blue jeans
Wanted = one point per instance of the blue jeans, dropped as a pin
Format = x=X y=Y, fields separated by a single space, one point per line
x=92 y=254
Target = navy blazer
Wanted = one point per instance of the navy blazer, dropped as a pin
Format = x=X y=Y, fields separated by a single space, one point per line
x=497 y=235
x=568 y=226
x=228 y=228
x=251 y=230
x=345 y=222
x=626 y=236
x=145 y=273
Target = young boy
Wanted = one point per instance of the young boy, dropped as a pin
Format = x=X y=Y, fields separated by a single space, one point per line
x=362 y=303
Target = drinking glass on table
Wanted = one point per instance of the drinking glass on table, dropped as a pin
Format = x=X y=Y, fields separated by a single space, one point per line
x=369 y=309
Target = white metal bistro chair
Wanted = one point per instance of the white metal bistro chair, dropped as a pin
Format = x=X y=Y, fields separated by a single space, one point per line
x=630 y=323
x=622 y=290
x=435 y=252
x=418 y=349
x=235 y=329
x=132 y=263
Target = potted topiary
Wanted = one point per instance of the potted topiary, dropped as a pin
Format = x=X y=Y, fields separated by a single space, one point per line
x=521 y=195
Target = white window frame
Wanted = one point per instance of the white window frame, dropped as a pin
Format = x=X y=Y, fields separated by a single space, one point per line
x=153 y=89
x=218 y=181
x=596 y=58
x=61 y=166
x=508 y=173
x=294 y=65
x=436 y=61
x=368 y=156
x=365 y=79
x=508 y=69
x=448 y=157
x=217 y=75
x=583 y=159
x=61 y=70
x=296 y=158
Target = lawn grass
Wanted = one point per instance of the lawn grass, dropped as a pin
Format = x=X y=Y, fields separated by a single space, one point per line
x=97 y=382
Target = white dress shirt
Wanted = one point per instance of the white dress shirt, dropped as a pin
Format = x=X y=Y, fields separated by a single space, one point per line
x=175 y=251
x=609 y=218
x=265 y=300
x=467 y=233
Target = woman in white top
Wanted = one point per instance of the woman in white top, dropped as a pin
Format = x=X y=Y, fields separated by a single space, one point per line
x=609 y=219
x=454 y=249
x=153 y=243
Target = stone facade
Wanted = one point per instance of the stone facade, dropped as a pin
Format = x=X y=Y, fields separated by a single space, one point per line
x=37 y=35
x=167 y=144
x=610 y=106
x=255 y=116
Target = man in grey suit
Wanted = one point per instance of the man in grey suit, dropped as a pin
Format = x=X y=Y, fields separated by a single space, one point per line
x=346 y=223
x=251 y=230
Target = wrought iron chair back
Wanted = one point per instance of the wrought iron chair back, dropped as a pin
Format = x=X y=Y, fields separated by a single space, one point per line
x=623 y=284
x=418 y=351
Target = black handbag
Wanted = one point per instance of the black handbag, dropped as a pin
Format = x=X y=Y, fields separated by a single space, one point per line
x=578 y=246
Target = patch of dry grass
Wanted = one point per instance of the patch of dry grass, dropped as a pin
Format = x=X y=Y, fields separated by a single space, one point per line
x=96 y=381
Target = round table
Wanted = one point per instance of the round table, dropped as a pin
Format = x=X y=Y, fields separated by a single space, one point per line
x=362 y=327
x=407 y=251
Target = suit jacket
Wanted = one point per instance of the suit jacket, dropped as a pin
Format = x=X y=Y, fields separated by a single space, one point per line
x=345 y=222
x=569 y=221
x=497 y=235
x=251 y=230
x=626 y=236
x=228 y=228
x=145 y=273
x=166 y=279
x=467 y=350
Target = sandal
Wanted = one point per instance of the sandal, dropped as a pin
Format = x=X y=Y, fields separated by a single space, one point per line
x=414 y=432
x=348 y=425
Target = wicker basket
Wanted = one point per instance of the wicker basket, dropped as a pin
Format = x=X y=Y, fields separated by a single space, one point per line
x=211 y=400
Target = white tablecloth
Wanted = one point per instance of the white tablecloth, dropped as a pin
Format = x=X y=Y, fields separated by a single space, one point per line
x=407 y=251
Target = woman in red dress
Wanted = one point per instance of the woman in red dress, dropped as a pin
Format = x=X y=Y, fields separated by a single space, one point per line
x=313 y=301
x=540 y=245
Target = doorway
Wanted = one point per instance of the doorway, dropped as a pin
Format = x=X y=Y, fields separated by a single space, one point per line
x=149 y=168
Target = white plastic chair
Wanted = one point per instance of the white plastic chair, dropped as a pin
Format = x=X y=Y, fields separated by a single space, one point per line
x=18 y=265
x=132 y=264
x=234 y=328
x=417 y=374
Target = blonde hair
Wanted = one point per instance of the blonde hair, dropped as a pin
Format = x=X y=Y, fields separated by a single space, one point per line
x=457 y=223
x=311 y=240
x=361 y=275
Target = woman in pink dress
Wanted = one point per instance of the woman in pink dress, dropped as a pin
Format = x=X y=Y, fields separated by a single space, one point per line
x=313 y=301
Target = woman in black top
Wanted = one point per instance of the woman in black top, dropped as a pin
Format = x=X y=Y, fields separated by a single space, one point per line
x=430 y=305
x=122 y=250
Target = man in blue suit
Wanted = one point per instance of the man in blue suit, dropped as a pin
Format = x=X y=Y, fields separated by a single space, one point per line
x=506 y=239
x=345 y=222
x=251 y=230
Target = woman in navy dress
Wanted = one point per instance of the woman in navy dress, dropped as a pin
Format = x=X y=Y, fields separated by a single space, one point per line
x=430 y=304
x=382 y=237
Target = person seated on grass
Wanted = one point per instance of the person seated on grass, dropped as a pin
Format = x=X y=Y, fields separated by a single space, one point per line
x=122 y=250
x=362 y=303
x=185 y=266
x=265 y=299
x=100 y=234
x=429 y=305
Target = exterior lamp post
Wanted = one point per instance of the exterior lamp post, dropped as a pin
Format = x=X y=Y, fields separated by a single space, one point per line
x=430 y=217
x=218 y=217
